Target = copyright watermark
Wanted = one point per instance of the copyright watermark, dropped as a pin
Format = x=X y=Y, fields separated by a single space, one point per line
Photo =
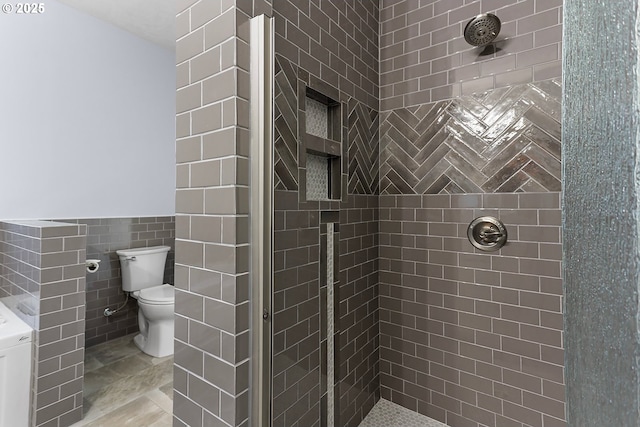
x=23 y=8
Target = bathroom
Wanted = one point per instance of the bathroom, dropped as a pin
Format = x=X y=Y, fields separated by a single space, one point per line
x=93 y=107
x=420 y=319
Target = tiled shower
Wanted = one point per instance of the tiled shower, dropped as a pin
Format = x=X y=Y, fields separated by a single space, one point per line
x=391 y=135
x=468 y=337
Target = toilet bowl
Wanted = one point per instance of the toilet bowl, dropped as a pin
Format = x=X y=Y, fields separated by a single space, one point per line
x=142 y=272
x=155 y=320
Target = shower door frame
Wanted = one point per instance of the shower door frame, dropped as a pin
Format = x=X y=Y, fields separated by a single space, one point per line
x=261 y=126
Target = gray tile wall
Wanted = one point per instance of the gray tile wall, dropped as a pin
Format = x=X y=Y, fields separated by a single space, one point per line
x=43 y=272
x=424 y=57
x=19 y=275
x=363 y=149
x=299 y=356
x=286 y=145
x=334 y=41
x=501 y=141
x=104 y=288
x=296 y=311
x=331 y=47
x=472 y=338
x=357 y=349
x=211 y=376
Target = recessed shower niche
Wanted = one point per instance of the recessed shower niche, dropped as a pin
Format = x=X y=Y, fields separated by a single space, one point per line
x=322 y=146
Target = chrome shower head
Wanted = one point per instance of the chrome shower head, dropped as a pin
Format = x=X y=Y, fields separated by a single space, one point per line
x=482 y=30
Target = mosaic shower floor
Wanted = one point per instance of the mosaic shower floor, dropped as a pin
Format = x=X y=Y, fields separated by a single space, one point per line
x=388 y=414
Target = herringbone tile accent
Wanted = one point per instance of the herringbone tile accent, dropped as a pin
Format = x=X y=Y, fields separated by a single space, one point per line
x=501 y=141
x=286 y=125
x=363 y=150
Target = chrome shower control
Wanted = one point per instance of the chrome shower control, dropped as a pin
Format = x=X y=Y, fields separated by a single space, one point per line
x=487 y=233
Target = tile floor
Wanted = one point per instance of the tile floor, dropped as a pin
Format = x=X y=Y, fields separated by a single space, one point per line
x=126 y=388
x=389 y=414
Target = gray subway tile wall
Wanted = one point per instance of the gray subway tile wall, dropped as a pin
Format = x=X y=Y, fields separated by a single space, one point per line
x=104 y=288
x=43 y=281
x=336 y=42
x=437 y=282
x=331 y=47
x=466 y=337
x=19 y=271
x=212 y=212
x=296 y=311
x=424 y=57
x=298 y=353
x=357 y=352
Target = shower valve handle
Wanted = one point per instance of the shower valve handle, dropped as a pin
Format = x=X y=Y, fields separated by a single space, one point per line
x=487 y=234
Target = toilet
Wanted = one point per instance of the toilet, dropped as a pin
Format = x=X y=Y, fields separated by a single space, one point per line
x=142 y=274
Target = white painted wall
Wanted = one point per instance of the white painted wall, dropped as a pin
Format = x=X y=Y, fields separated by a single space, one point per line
x=87 y=119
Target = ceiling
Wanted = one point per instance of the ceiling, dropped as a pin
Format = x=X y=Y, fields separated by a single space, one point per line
x=153 y=20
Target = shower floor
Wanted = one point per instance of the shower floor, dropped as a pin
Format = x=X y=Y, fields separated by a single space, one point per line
x=389 y=414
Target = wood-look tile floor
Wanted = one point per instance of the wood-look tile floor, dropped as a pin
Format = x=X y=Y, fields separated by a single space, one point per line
x=126 y=388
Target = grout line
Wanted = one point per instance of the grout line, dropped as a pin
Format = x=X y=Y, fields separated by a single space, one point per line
x=160 y=399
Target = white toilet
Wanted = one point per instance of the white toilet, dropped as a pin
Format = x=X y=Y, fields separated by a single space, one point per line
x=142 y=273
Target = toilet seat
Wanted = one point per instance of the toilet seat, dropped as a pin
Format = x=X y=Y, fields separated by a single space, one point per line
x=157 y=295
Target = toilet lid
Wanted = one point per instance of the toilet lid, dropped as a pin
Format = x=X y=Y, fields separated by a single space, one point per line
x=163 y=294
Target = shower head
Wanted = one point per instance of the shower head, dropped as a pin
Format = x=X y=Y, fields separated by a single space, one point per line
x=482 y=30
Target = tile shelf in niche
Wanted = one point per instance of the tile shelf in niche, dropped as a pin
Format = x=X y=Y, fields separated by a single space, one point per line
x=323 y=145
x=323 y=176
x=321 y=136
x=322 y=116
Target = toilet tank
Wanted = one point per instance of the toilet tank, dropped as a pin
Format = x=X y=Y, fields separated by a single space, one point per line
x=142 y=267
